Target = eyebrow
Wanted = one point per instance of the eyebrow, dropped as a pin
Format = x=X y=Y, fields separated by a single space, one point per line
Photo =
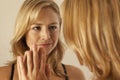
x=48 y=24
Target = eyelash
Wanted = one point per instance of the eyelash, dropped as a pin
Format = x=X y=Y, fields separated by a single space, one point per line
x=51 y=28
x=37 y=28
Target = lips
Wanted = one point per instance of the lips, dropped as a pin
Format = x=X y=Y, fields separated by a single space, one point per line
x=45 y=45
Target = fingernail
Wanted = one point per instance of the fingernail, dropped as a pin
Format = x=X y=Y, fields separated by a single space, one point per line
x=18 y=57
x=32 y=46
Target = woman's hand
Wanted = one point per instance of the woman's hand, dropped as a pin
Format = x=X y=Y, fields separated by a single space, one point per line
x=32 y=66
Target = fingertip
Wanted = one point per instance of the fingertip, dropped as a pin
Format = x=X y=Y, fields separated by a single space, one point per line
x=47 y=67
x=18 y=57
x=19 y=61
x=31 y=46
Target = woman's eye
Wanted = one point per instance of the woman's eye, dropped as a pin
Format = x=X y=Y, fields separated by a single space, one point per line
x=52 y=28
x=36 y=28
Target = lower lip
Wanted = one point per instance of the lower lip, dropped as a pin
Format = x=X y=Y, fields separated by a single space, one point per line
x=45 y=45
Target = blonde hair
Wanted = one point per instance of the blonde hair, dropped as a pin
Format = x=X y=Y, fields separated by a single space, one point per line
x=92 y=29
x=27 y=15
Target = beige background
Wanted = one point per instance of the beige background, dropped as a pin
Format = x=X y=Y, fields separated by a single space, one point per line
x=8 y=13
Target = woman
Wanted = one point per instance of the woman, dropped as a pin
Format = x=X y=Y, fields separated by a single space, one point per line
x=92 y=30
x=36 y=46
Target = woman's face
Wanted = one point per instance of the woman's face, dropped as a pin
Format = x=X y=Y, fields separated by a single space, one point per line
x=45 y=31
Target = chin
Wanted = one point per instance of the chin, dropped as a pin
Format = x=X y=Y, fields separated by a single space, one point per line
x=49 y=52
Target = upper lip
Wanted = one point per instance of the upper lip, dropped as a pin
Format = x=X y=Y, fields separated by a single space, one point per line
x=44 y=43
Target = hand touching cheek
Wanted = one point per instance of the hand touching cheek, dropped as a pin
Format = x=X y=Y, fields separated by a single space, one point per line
x=32 y=66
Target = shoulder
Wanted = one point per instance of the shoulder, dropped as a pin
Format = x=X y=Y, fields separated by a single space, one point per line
x=74 y=73
x=5 y=72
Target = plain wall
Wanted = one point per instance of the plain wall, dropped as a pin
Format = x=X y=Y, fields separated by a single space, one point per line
x=8 y=13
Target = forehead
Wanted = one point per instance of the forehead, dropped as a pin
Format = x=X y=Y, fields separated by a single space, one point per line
x=48 y=13
x=44 y=13
x=47 y=10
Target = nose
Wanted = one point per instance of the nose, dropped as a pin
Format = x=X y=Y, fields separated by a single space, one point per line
x=45 y=34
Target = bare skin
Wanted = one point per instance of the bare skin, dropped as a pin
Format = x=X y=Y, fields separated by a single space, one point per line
x=43 y=34
x=23 y=70
x=73 y=73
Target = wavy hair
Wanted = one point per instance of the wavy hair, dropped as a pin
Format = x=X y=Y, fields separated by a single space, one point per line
x=27 y=15
x=92 y=30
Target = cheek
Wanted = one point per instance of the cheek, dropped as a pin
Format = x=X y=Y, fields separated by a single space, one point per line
x=55 y=41
x=30 y=39
x=56 y=36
